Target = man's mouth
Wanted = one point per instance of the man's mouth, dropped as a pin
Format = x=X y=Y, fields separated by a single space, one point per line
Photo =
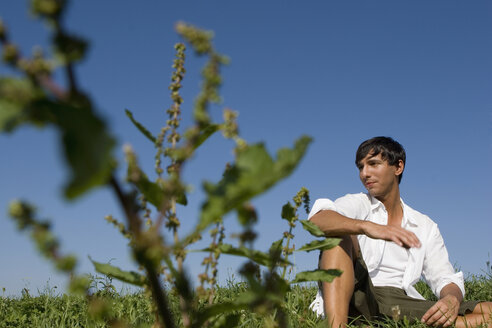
x=370 y=184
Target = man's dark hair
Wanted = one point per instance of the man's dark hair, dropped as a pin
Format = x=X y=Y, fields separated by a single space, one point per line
x=389 y=149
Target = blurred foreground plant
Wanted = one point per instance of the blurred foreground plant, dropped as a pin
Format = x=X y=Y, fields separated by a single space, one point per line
x=151 y=205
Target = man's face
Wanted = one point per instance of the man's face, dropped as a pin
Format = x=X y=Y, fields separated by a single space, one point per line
x=378 y=176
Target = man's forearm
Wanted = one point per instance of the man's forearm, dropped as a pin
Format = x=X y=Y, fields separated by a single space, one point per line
x=335 y=224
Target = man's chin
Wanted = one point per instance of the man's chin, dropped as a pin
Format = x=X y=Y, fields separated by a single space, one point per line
x=373 y=192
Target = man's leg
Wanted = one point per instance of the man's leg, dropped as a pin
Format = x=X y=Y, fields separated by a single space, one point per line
x=337 y=294
x=482 y=314
x=414 y=309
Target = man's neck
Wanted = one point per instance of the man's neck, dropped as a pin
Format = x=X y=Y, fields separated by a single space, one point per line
x=393 y=206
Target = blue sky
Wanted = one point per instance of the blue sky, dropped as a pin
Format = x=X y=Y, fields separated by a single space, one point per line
x=339 y=71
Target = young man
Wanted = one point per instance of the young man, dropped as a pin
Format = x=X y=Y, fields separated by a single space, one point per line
x=386 y=247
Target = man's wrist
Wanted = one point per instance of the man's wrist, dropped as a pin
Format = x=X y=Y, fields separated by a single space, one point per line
x=453 y=290
x=361 y=227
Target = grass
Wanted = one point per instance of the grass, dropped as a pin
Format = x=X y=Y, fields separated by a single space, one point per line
x=51 y=310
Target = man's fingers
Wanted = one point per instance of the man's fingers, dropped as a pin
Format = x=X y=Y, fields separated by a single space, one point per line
x=412 y=240
x=404 y=237
x=436 y=320
x=428 y=316
x=442 y=320
x=447 y=319
x=439 y=315
x=397 y=241
x=450 y=321
x=397 y=235
x=434 y=314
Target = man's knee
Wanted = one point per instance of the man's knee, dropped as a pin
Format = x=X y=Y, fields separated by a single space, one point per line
x=350 y=244
x=483 y=308
x=347 y=249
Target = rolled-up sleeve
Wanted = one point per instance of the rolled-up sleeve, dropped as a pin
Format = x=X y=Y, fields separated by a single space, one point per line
x=354 y=206
x=320 y=205
x=437 y=270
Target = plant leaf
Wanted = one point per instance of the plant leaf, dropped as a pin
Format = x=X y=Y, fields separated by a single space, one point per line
x=312 y=228
x=276 y=246
x=205 y=133
x=88 y=149
x=15 y=96
x=140 y=127
x=246 y=215
x=109 y=270
x=253 y=173
x=217 y=309
x=317 y=275
x=151 y=190
x=288 y=212
x=325 y=244
x=69 y=48
x=155 y=194
x=10 y=115
x=231 y=320
x=86 y=143
x=254 y=255
x=181 y=199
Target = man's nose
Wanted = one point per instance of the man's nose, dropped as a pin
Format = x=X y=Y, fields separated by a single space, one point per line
x=364 y=173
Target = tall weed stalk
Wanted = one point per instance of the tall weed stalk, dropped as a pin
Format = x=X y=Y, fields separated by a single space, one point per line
x=150 y=207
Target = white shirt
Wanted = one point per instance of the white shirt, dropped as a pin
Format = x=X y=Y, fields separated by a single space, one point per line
x=430 y=260
x=392 y=267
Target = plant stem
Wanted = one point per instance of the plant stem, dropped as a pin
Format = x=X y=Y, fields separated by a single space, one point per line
x=287 y=244
x=133 y=222
x=49 y=84
x=44 y=80
x=71 y=78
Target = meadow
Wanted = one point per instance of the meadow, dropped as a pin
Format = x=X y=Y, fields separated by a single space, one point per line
x=134 y=309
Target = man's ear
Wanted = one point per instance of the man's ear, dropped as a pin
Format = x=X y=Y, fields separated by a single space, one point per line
x=400 y=167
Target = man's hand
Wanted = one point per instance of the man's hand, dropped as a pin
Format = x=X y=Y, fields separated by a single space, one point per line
x=395 y=234
x=443 y=313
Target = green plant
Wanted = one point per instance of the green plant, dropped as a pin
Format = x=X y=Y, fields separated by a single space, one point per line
x=50 y=310
x=151 y=206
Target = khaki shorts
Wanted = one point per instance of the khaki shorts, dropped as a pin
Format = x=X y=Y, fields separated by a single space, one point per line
x=372 y=302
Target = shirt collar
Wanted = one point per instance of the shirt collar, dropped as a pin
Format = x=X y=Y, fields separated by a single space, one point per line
x=374 y=202
x=407 y=214
x=407 y=217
